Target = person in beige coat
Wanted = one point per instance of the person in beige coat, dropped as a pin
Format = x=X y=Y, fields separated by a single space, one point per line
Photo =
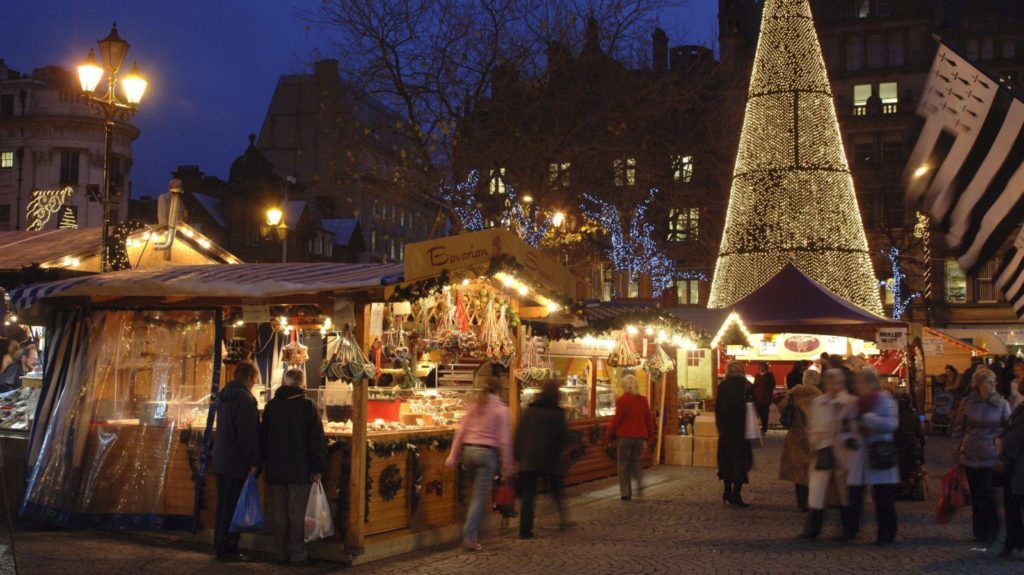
x=796 y=451
x=827 y=469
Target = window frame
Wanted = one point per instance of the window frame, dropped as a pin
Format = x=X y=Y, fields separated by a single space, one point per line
x=67 y=169
x=6 y=159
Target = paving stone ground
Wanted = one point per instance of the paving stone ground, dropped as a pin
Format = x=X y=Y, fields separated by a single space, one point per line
x=679 y=526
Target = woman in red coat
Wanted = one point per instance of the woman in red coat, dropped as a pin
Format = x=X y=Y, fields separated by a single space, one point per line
x=633 y=426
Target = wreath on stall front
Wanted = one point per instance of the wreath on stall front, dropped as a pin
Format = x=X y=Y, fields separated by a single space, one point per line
x=390 y=482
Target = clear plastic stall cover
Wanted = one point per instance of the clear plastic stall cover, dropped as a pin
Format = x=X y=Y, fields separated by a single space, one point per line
x=121 y=447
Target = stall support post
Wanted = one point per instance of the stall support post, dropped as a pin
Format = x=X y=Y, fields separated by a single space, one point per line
x=513 y=384
x=357 y=479
x=656 y=456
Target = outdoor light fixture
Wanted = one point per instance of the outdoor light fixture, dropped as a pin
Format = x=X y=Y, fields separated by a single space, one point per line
x=113 y=50
x=274 y=226
x=920 y=171
x=527 y=199
x=558 y=219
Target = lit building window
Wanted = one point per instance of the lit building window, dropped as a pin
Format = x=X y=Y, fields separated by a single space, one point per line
x=683 y=224
x=6 y=159
x=373 y=241
x=634 y=288
x=688 y=292
x=862 y=8
x=889 y=93
x=682 y=168
x=985 y=284
x=625 y=172
x=496 y=181
x=887 y=297
x=558 y=173
x=956 y=283
x=861 y=93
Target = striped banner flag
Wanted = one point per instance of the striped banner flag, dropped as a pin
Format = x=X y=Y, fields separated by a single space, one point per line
x=967 y=168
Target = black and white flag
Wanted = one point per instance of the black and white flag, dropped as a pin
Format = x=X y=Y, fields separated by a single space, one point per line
x=967 y=168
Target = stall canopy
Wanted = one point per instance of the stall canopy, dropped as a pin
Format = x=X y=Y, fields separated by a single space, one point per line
x=242 y=281
x=791 y=302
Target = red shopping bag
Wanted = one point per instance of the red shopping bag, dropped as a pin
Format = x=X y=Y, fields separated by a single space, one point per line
x=505 y=498
x=955 y=493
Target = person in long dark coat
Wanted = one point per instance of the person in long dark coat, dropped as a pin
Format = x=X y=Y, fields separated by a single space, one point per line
x=735 y=456
x=541 y=438
x=1012 y=446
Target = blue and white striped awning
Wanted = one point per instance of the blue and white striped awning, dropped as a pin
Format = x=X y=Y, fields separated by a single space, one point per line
x=242 y=281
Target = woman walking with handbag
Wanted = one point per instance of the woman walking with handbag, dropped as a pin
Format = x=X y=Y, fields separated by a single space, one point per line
x=484 y=434
x=826 y=467
x=735 y=456
x=796 y=451
x=979 y=423
x=870 y=425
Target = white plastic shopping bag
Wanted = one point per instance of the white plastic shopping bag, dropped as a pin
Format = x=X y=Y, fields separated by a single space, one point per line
x=753 y=423
x=318 y=514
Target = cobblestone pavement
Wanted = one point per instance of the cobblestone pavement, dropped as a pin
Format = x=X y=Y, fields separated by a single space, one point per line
x=679 y=525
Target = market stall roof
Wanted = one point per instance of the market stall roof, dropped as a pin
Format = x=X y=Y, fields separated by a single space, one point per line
x=242 y=281
x=954 y=337
x=791 y=302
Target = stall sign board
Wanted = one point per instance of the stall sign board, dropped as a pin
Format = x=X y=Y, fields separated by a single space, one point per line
x=892 y=339
x=933 y=346
x=477 y=249
x=581 y=348
x=376 y=319
x=255 y=314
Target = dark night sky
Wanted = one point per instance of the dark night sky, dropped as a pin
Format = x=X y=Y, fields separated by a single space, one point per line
x=211 y=64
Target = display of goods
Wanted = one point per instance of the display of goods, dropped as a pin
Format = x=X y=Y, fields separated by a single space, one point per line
x=534 y=367
x=349 y=363
x=395 y=348
x=658 y=364
x=496 y=342
x=467 y=337
x=622 y=354
x=294 y=354
x=455 y=335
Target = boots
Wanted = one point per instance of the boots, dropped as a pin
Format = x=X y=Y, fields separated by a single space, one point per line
x=850 y=524
x=801 y=497
x=812 y=526
x=737 y=496
x=727 y=492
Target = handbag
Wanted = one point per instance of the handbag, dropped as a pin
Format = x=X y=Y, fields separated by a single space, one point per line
x=824 y=459
x=788 y=415
x=882 y=455
x=752 y=428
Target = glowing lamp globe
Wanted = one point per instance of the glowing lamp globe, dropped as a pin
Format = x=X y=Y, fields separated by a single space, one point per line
x=89 y=74
x=134 y=86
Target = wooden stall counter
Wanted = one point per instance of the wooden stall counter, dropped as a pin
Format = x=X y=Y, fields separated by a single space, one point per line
x=590 y=456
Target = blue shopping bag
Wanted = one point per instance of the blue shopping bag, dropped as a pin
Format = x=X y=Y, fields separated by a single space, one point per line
x=248 y=517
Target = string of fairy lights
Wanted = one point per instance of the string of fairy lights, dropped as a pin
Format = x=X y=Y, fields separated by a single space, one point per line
x=792 y=197
x=900 y=303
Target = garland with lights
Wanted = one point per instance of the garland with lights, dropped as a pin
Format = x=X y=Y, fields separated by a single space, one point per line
x=116 y=247
x=792 y=198
x=508 y=264
x=640 y=318
x=899 y=303
x=421 y=289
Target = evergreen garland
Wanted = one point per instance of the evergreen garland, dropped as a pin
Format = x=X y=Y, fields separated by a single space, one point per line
x=390 y=482
x=644 y=317
x=421 y=289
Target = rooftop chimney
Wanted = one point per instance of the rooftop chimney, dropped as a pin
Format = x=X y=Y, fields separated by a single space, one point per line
x=659 y=50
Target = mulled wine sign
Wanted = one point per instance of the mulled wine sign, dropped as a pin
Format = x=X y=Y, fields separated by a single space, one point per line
x=802 y=344
x=894 y=338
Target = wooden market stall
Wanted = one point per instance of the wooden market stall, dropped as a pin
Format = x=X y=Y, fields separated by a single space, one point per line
x=400 y=349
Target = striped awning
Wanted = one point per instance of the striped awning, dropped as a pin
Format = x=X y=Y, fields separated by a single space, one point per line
x=242 y=281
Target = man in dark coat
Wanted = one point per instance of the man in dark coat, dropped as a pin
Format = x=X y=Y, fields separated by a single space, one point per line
x=735 y=456
x=539 y=444
x=26 y=361
x=236 y=453
x=296 y=454
x=764 y=389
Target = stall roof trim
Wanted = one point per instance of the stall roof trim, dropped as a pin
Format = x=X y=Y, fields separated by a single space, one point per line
x=792 y=302
x=241 y=281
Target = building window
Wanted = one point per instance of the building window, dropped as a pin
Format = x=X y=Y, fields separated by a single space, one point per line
x=688 y=292
x=887 y=297
x=985 y=284
x=6 y=159
x=988 y=48
x=895 y=208
x=972 y=48
x=889 y=93
x=6 y=105
x=956 y=283
x=634 y=288
x=864 y=154
x=892 y=153
x=625 y=172
x=854 y=53
x=861 y=94
x=558 y=173
x=683 y=224
x=68 y=167
x=682 y=169
x=373 y=241
x=116 y=174
x=5 y=216
x=861 y=8
x=883 y=7
x=876 y=51
x=1009 y=48
x=896 y=50
x=496 y=181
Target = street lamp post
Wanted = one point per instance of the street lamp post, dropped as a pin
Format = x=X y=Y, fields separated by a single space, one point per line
x=113 y=50
x=275 y=224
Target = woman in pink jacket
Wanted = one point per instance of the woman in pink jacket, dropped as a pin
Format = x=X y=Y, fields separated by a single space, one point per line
x=483 y=435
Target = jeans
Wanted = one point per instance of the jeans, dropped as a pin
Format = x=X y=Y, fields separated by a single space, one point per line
x=288 y=512
x=629 y=451
x=885 y=511
x=528 y=492
x=762 y=413
x=480 y=463
x=984 y=518
x=229 y=489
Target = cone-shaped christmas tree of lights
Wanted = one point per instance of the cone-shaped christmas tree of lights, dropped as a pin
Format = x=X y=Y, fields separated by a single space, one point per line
x=792 y=197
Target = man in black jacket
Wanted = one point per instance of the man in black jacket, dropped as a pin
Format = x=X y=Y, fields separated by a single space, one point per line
x=296 y=455
x=236 y=453
x=539 y=443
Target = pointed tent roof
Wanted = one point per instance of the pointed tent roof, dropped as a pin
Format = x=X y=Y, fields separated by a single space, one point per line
x=792 y=302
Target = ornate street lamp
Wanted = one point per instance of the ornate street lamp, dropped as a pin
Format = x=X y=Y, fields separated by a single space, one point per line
x=113 y=50
x=274 y=225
